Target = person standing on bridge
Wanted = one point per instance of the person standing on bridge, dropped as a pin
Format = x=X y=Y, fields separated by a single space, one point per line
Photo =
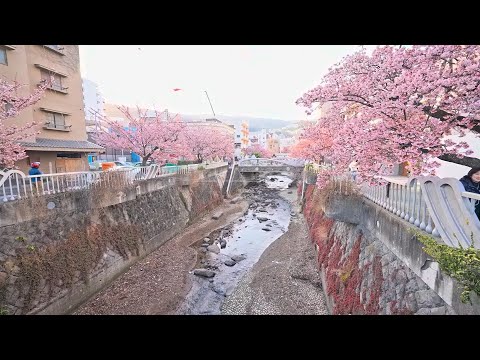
x=34 y=170
x=353 y=167
x=471 y=183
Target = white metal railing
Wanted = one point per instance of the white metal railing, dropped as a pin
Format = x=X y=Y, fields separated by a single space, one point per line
x=15 y=185
x=232 y=170
x=440 y=207
x=315 y=168
x=472 y=200
x=312 y=170
x=261 y=162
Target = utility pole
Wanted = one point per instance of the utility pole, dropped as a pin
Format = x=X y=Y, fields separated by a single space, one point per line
x=210 y=103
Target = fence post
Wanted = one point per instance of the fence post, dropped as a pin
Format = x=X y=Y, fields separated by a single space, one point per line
x=304 y=183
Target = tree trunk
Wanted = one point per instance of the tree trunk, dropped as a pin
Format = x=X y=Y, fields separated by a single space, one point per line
x=466 y=160
x=146 y=157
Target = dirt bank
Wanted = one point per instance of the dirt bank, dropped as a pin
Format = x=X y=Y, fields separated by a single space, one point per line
x=159 y=282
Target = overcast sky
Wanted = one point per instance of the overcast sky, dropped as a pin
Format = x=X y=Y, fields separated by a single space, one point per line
x=253 y=80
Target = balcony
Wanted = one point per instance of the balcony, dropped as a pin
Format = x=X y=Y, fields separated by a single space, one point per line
x=59 y=127
x=50 y=70
x=58 y=88
x=55 y=48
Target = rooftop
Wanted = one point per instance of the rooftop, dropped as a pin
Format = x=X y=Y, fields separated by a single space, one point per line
x=69 y=145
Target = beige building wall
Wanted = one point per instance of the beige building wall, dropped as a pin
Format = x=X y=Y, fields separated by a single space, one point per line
x=17 y=70
x=111 y=110
x=43 y=156
x=213 y=125
x=22 y=68
x=26 y=63
x=70 y=102
x=50 y=163
x=273 y=145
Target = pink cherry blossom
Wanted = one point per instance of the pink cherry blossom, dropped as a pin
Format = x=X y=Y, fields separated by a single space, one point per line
x=392 y=106
x=11 y=104
x=202 y=143
x=148 y=136
x=258 y=150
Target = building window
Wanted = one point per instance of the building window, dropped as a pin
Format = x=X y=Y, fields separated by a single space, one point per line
x=56 y=121
x=57 y=80
x=57 y=48
x=3 y=56
x=7 y=106
x=69 y=155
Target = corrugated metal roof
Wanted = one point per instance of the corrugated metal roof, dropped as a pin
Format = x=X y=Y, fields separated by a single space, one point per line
x=63 y=144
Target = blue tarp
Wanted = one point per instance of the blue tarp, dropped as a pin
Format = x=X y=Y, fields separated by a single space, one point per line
x=135 y=157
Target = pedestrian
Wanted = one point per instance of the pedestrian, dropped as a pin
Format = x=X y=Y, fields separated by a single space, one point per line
x=471 y=183
x=34 y=170
x=353 y=167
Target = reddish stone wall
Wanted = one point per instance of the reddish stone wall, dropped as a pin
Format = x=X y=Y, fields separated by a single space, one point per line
x=360 y=275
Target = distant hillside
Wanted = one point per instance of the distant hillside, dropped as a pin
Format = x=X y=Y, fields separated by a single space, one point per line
x=255 y=123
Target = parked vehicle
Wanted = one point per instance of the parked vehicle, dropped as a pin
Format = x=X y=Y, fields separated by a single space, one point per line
x=95 y=166
x=171 y=168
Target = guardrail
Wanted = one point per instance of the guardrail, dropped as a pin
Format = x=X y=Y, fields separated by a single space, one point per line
x=15 y=185
x=261 y=162
x=440 y=207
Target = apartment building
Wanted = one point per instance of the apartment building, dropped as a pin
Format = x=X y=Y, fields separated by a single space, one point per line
x=259 y=137
x=93 y=101
x=245 y=135
x=61 y=143
x=213 y=123
x=272 y=143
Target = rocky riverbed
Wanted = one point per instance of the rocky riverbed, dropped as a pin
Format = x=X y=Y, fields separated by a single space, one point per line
x=249 y=256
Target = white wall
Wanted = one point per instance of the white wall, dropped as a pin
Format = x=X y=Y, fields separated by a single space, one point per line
x=448 y=169
x=92 y=99
x=262 y=137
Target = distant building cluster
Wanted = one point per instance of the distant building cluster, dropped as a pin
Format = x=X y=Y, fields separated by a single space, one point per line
x=271 y=139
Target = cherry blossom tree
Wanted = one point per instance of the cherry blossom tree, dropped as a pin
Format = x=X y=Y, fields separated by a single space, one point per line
x=258 y=151
x=315 y=144
x=11 y=104
x=399 y=104
x=150 y=137
x=204 y=143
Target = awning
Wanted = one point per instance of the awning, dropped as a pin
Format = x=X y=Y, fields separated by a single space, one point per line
x=40 y=66
x=55 y=111
x=62 y=145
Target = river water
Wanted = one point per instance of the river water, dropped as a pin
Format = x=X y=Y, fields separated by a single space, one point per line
x=246 y=239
